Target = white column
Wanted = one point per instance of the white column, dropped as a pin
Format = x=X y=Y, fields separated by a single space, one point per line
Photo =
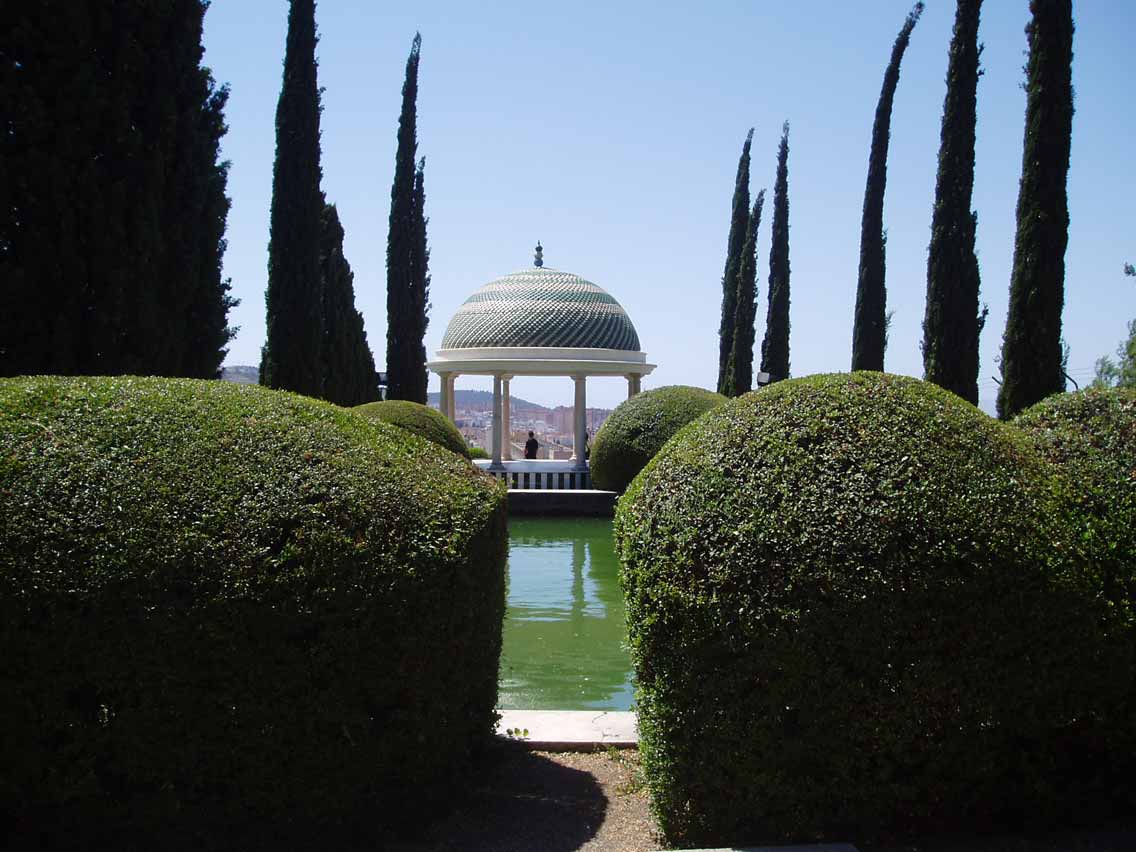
x=497 y=420
x=581 y=414
x=636 y=384
x=452 y=411
x=444 y=396
x=506 y=419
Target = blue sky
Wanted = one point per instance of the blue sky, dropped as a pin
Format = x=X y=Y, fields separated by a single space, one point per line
x=611 y=133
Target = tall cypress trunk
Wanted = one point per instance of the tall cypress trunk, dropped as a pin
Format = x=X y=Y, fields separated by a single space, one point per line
x=403 y=340
x=739 y=368
x=952 y=323
x=292 y=358
x=739 y=221
x=775 y=345
x=420 y=267
x=1031 y=345
x=869 y=330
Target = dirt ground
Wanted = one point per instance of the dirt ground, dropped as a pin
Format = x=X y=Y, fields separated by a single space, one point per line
x=596 y=802
x=553 y=802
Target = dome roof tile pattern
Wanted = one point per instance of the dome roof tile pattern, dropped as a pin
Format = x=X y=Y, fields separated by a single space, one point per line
x=541 y=307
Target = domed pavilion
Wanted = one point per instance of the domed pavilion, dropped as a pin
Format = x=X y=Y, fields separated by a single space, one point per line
x=539 y=322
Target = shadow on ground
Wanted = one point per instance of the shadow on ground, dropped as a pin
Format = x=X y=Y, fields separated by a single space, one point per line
x=522 y=802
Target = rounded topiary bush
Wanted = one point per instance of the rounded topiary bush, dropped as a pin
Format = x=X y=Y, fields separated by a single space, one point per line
x=639 y=427
x=1090 y=437
x=478 y=453
x=420 y=419
x=847 y=617
x=235 y=618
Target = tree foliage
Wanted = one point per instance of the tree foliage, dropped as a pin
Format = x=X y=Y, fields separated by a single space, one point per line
x=739 y=367
x=212 y=596
x=113 y=220
x=952 y=322
x=422 y=420
x=775 y=345
x=407 y=256
x=1031 y=344
x=1122 y=371
x=889 y=592
x=349 y=367
x=420 y=268
x=739 y=220
x=869 y=330
x=638 y=429
x=292 y=357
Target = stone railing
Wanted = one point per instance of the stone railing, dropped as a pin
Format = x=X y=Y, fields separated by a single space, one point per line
x=540 y=475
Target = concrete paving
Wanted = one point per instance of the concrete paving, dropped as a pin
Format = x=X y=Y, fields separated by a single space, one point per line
x=570 y=730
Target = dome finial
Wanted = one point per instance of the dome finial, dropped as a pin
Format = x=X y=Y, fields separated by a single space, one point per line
x=539 y=261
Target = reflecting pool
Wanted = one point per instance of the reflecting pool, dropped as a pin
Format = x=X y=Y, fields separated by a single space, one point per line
x=565 y=629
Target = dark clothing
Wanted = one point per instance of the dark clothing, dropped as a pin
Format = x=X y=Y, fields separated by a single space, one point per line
x=531 y=446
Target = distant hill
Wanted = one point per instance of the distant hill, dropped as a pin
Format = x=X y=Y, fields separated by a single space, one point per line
x=242 y=375
x=470 y=400
x=479 y=400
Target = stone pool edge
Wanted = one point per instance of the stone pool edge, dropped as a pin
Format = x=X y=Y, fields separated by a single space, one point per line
x=570 y=730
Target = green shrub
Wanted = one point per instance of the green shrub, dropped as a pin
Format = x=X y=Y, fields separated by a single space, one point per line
x=235 y=618
x=848 y=615
x=478 y=453
x=639 y=427
x=1091 y=438
x=420 y=419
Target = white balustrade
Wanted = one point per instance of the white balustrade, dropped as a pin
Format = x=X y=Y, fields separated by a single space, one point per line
x=540 y=474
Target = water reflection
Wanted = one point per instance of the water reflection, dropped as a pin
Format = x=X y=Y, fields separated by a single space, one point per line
x=565 y=632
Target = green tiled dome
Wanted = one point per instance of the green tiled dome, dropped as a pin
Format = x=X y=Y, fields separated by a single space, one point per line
x=541 y=307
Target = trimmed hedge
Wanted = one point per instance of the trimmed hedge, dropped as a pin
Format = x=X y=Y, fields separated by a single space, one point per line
x=1091 y=438
x=478 y=453
x=420 y=419
x=639 y=427
x=235 y=618
x=849 y=616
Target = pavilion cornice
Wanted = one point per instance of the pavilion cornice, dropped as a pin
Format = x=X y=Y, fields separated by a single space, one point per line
x=541 y=361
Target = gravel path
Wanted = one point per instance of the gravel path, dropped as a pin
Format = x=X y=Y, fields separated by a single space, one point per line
x=553 y=802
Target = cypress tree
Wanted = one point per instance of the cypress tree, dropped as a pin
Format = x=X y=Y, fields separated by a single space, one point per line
x=1031 y=345
x=197 y=207
x=53 y=105
x=112 y=232
x=183 y=110
x=869 y=331
x=404 y=348
x=420 y=288
x=349 y=367
x=291 y=358
x=775 y=345
x=952 y=322
x=739 y=368
x=739 y=221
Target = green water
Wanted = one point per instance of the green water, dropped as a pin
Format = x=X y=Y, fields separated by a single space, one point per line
x=565 y=630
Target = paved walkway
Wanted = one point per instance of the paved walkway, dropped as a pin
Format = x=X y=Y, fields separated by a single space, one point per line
x=570 y=730
x=591 y=730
